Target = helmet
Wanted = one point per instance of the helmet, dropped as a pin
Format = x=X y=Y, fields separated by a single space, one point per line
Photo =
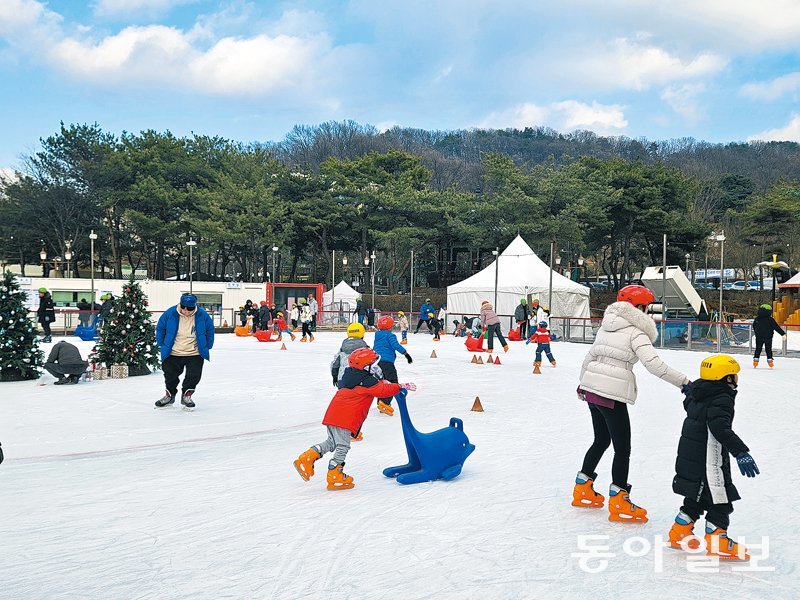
x=42 y=290
x=427 y=299
x=523 y=300
x=401 y=314
x=355 y=330
x=766 y=306
x=638 y=295
x=361 y=358
x=484 y=302
x=280 y=314
x=263 y=303
x=718 y=367
x=536 y=301
x=385 y=322
x=542 y=323
x=430 y=314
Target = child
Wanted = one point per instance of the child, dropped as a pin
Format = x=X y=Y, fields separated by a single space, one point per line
x=386 y=345
x=345 y=416
x=282 y=327
x=436 y=325
x=242 y=316
x=354 y=341
x=459 y=329
x=306 y=316
x=294 y=316
x=491 y=323
x=542 y=338
x=442 y=316
x=403 y=322
x=764 y=326
x=703 y=468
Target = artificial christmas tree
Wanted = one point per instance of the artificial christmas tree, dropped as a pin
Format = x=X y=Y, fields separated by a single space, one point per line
x=128 y=336
x=20 y=357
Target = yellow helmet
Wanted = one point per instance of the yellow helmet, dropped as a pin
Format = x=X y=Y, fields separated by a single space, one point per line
x=355 y=330
x=718 y=367
x=400 y=313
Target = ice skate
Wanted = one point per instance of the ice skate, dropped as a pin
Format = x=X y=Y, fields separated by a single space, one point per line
x=537 y=363
x=505 y=348
x=311 y=339
x=356 y=438
x=770 y=363
x=73 y=379
x=166 y=400
x=338 y=479
x=552 y=362
x=61 y=380
x=293 y=336
x=621 y=509
x=681 y=536
x=403 y=342
x=303 y=339
x=755 y=363
x=186 y=399
x=719 y=544
x=385 y=408
x=47 y=339
x=305 y=463
x=584 y=495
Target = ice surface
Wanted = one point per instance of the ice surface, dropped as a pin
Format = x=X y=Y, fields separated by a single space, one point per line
x=101 y=496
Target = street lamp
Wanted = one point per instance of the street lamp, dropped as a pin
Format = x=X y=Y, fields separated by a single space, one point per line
x=372 y=256
x=191 y=243
x=496 y=254
x=92 y=238
x=274 y=264
x=580 y=266
x=68 y=256
x=721 y=239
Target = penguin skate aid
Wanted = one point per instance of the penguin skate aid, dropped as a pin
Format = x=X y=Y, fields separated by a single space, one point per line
x=357 y=389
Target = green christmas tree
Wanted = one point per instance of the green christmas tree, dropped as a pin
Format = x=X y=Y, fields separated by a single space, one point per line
x=128 y=336
x=20 y=357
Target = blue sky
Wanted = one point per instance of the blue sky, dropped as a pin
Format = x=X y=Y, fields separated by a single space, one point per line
x=718 y=70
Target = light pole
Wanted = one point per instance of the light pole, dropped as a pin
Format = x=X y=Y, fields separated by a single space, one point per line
x=411 y=289
x=496 y=253
x=43 y=258
x=344 y=270
x=687 y=257
x=68 y=256
x=191 y=243
x=92 y=238
x=721 y=239
x=274 y=278
x=550 y=288
x=580 y=266
x=372 y=256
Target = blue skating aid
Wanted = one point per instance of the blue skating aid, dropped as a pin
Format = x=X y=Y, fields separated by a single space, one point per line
x=439 y=454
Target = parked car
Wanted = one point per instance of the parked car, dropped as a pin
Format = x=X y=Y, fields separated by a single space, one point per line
x=739 y=286
x=598 y=284
x=756 y=287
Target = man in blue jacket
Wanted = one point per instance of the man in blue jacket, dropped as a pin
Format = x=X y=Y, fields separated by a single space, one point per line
x=185 y=334
x=423 y=315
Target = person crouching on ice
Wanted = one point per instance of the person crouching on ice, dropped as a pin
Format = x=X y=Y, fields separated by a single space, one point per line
x=542 y=338
x=345 y=416
x=437 y=326
x=703 y=466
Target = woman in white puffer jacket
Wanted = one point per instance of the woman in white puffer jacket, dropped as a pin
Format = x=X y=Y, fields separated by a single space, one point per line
x=608 y=385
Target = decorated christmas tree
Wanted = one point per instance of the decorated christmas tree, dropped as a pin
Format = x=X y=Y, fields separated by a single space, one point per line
x=20 y=357
x=128 y=336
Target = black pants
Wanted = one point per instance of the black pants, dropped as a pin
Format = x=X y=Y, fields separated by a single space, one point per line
x=494 y=330
x=610 y=425
x=307 y=329
x=46 y=327
x=314 y=322
x=58 y=371
x=523 y=329
x=389 y=374
x=767 y=344
x=419 y=324
x=718 y=514
x=173 y=367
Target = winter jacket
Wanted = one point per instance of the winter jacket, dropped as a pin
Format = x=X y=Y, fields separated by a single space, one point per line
x=386 y=345
x=539 y=314
x=424 y=310
x=106 y=308
x=46 y=311
x=435 y=324
x=294 y=314
x=488 y=316
x=314 y=306
x=403 y=323
x=167 y=329
x=371 y=317
x=65 y=354
x=264 y=314
x=442 y=316
x=306 y=315
x=625 y=337
x=764 y=326
x=83 y=306
x=361 y=308
x=339 y=363
x=281 y=322
x=541 y=336
x=703 y=466
x=522 y=312
x=357 y=391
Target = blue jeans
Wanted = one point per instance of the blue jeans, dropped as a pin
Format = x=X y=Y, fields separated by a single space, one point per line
x=404 y=333
x=546 y=349
x=361 y=319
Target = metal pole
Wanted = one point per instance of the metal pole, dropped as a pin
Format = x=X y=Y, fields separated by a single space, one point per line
x=333 y=278
x=191 y=278
x=373 y=281
x=496 y=274
x=411 y=289
x=550 y=293
x=721 y=287
x=92 y=237
x=663 y=291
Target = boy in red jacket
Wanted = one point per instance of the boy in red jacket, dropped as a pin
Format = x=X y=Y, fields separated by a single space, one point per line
x=358 y=388
x=542 y=338
x=282 y=327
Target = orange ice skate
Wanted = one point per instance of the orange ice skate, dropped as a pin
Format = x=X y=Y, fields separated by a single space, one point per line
x=338 y=479
x=719 y=544
x=681 y=536
x=621 y=509
x=385 y=408
x=584 y=494
x=305 y=463
x=356 y=438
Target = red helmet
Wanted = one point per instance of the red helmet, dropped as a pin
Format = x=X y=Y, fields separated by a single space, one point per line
x=361 y=358
x=385 y=322
x=638 y=295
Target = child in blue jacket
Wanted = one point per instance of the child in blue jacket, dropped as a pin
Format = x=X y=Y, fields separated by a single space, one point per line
x=387 y=346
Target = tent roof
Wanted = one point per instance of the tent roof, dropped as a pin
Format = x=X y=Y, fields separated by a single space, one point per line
x=343 y=291
x=792 y=283
x=519 y=267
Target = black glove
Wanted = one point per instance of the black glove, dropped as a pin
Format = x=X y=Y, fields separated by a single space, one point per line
x=1 y=453
x=747 y=465
x=335 y=381
x=408 y=358
x=685 y=388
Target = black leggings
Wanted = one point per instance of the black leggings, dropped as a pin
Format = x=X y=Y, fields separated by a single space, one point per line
x=718 y=514
x=419 y=324
x=494 y=330
x=767 y=344
x=389 y=374
x=307 y=330
x=610 y=425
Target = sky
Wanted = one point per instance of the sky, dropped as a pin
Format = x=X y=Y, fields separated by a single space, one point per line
x=715 y=70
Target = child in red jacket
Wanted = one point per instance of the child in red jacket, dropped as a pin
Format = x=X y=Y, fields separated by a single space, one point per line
x=282 y=327
x=542 y=338
x=347 y=411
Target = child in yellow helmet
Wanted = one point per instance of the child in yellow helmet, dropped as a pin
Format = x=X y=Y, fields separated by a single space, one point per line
x=703 y=469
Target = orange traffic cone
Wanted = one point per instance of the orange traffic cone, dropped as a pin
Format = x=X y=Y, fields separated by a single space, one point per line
x=474 y=359
x=433 y=354
x=477 y=406
x=497 y=360
x=283 y=346
x=536 y=369
x=480 y=360
x=490 y=361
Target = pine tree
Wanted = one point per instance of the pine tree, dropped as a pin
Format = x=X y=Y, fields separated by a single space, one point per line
x=20 y=357
x=128 y=335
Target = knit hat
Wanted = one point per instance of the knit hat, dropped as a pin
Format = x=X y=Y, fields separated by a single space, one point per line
x=42 y=290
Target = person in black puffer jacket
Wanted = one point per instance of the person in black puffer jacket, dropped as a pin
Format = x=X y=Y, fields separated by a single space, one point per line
x=764 y=326
x=703 y=466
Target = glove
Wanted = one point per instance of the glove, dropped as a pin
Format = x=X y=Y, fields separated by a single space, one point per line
x=411 y=387
x=747 y=465
x=579 y=391
x=685 y=388
x=408 y=358
x=335 y=381
x=1 y=453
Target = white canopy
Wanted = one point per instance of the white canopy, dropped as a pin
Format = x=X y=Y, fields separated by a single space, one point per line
x=520 y=274
x=344 y=298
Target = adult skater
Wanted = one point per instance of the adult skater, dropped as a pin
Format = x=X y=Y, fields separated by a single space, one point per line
x=491 y=323
x=314 y=306
x=764 y=326
x=360 y=310
x=105 y=308
x=521 y=315
x=608 y=385
x=186 y=335
x=65 y=363
x=426 y=308
x=46 y=313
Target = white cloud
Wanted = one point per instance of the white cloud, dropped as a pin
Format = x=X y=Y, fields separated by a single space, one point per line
x=682 y=98
x=127 y=8
x=788 y=133
x=773 y=89
x=568 y=115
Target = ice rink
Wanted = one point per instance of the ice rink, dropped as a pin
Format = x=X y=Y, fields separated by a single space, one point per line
x=101 y=496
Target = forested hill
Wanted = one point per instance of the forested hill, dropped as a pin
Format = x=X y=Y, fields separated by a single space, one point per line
x=455 y=156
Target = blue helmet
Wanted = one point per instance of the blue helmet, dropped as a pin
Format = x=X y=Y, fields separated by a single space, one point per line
x=542 y=323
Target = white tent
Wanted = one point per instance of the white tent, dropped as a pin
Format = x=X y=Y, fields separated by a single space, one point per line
x=520 y=273
x=343 y=298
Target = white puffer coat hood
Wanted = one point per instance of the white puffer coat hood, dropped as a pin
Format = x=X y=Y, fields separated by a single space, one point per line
x=625 y=337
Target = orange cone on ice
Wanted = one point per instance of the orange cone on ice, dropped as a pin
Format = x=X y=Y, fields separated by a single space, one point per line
x=283 y=346
x=433 y=354
x=477 y=406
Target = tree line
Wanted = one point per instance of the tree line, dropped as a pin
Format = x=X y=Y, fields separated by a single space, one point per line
x=452 y=197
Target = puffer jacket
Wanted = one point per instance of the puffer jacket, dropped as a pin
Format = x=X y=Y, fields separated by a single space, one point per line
x=626 y=336
x=764 y=325
x=386 y=345
x=521 y=313
x=488 y=316
x=306 y=315
x=403 y=323
x=339 y=363
x=357 y=392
